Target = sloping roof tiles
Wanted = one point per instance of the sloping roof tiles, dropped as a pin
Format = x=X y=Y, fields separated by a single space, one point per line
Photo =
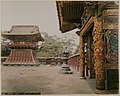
x=23 y=33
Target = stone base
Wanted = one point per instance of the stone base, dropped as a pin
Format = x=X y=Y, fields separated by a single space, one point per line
x=106 y=91
x=116 y=91
x=65 y=69
x=100 y=91
x=82 y=77
x=66 y=72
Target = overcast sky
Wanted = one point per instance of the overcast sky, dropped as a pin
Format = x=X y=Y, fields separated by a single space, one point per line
x=41 y=13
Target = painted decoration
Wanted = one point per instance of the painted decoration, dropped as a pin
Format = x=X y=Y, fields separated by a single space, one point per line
x=110 y=26
x=111 y=37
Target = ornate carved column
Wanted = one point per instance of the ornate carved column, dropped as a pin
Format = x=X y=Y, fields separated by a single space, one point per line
x=82 y=66
x=99 y=54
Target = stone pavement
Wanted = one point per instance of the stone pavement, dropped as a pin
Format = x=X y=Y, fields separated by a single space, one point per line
x=44 y=79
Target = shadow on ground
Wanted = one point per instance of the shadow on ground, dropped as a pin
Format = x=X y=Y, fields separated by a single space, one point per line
x=91 y=83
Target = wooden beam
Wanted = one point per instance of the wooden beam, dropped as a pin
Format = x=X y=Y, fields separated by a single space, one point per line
x=86 y=26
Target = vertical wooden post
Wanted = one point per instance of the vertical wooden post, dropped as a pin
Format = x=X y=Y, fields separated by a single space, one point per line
x=82 y=61
x=99 y=54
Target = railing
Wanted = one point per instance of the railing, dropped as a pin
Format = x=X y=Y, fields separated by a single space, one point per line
x=73 y=61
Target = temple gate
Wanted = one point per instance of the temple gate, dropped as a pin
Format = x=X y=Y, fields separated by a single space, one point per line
x=24 y=42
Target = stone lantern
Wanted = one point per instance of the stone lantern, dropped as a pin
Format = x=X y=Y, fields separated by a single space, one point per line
x=65 y=67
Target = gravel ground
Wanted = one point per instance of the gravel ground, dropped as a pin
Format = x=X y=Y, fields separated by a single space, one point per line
x=44 y=79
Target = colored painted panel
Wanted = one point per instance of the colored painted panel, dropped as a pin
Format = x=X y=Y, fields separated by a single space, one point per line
x=111 y=37
x=110 y=26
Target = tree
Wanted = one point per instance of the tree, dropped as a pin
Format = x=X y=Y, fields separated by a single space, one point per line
x=77 y=49
x=54 y=46
x=5 y=51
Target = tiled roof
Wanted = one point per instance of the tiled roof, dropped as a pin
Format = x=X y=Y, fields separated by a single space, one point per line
x=24 y=29
x=24 y=56
x=69 y=13
x=23 y=33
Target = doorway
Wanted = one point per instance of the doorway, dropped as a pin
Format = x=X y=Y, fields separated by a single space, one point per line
x=89 y=54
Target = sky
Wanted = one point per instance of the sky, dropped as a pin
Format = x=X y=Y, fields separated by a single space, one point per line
x=41 y=13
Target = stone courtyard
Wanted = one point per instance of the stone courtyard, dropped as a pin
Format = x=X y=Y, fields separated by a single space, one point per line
x=44 y=79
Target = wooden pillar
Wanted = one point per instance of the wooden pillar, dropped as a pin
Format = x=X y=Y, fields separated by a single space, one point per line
x=99 y=54
x=82 y=61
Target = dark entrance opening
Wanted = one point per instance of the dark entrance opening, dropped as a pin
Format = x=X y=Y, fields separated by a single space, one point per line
x=89 y=53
